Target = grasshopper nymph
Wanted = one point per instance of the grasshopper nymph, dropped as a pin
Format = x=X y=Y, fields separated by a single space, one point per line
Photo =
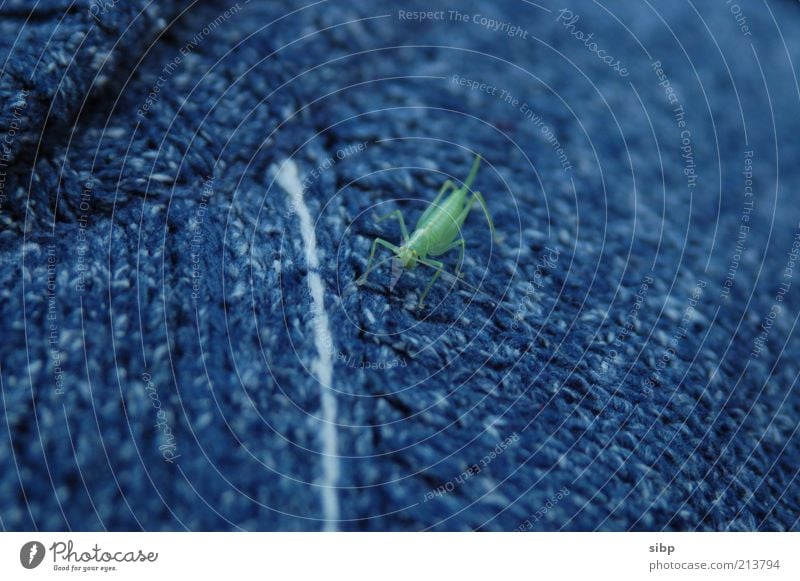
x=435 y=232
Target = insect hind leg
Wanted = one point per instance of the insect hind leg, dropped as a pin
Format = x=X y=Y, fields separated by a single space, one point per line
x=463 y=245
x=479 y=197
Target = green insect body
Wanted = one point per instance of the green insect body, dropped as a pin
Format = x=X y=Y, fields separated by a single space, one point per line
x=436 y=232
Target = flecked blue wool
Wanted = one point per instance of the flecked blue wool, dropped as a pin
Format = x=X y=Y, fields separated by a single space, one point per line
x=157 y=361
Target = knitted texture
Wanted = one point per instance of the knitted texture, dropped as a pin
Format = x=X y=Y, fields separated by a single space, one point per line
x=189 y=191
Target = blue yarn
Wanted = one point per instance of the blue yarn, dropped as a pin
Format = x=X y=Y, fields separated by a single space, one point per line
x=160 y=355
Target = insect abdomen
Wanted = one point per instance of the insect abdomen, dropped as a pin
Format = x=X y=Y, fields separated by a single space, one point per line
x=443 y=227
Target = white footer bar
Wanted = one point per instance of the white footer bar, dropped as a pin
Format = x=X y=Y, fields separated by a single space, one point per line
x=401 y=556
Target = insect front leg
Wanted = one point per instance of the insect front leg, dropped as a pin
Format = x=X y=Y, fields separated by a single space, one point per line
x=363 y=278
x=398 y=215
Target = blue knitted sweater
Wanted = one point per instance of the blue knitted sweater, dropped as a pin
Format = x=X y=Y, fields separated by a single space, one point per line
x=189 y=190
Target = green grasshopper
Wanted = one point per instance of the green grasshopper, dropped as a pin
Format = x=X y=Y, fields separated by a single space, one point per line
x=435 y=232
